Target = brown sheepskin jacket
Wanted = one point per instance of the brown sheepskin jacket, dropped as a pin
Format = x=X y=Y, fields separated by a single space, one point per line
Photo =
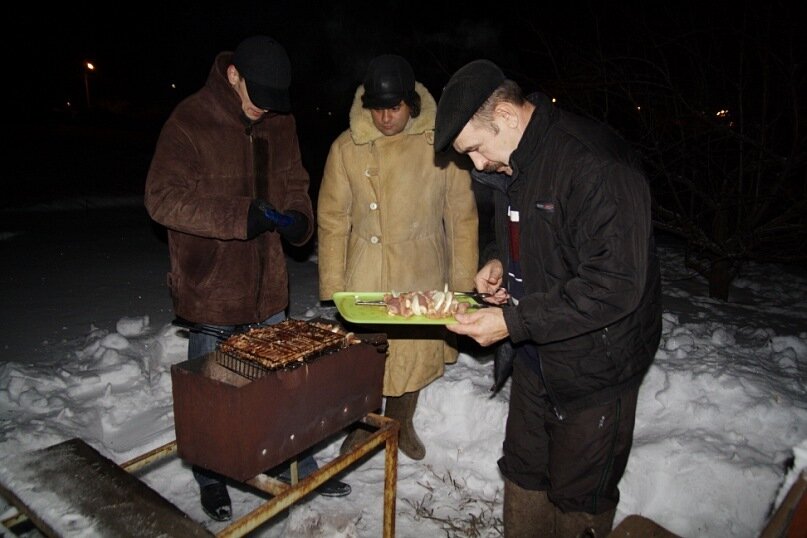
x=209 y=163
x=391 y=218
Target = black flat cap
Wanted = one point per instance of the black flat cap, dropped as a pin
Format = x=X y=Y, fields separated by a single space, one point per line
x=466 y=91
x=265 y=66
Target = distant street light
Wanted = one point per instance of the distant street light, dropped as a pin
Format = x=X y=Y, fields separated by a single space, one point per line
x=88 y=66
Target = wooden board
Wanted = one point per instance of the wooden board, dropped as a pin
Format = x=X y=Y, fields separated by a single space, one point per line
x=636 y=526
x=790 y=519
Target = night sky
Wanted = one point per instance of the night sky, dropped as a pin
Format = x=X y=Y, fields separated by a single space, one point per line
x=146 y=52
x=151 y=55
x=153 y=52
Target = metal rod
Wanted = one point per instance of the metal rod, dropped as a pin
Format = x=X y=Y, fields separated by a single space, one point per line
x=144 y=459
x=218 y=334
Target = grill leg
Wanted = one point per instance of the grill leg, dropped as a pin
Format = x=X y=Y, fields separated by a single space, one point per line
x=295 y=475
x=390 y=483
x=285 y=496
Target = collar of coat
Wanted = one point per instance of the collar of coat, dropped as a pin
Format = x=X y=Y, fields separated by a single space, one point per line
x=364 y=131
x=543 y=118
x=528 y=148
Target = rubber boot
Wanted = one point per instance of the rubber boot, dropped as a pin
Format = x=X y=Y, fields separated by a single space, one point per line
x=527 y=513
x=402 y=409
x=584 y=525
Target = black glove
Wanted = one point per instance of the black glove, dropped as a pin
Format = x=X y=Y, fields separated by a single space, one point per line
x=263 y=217
x=502 y=365
x=295 y=231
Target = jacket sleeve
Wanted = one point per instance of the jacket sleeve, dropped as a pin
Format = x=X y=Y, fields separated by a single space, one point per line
x=607 y=219
x=333 y=224
x=462 y=228
x=296 y=183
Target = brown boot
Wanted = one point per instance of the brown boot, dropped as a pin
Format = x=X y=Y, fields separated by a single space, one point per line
x=402 y=409
x=527 y=513
x=353 y=440
x=584 y=525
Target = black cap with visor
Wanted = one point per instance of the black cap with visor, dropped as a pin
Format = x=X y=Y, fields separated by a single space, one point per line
x=265 y=66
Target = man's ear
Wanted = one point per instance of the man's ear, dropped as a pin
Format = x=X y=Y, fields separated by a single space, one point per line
x=232 y=75
x=507 y=113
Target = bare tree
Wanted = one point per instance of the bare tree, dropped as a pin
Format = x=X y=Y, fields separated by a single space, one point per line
x=714 y=104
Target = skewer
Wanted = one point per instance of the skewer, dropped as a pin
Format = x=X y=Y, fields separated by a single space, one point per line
x=218 y=334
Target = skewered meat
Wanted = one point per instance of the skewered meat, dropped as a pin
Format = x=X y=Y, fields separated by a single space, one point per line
x=432 y=304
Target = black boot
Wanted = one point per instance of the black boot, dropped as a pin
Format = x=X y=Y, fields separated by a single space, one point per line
x=214 y=496
x=331 y=488
x=216 y=501
x=334 y=488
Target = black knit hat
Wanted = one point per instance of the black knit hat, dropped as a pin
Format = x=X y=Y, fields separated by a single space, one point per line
x=466 y=91
x=265 y=66
x=389 y=80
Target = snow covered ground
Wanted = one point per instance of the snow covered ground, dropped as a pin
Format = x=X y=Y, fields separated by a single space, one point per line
x=88 y=346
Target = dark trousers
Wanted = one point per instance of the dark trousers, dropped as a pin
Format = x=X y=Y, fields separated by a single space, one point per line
x=578 y=461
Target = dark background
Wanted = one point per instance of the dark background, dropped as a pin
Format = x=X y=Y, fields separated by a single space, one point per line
x=149 y=56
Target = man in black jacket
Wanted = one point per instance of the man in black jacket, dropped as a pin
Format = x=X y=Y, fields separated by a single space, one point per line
x=582 y=308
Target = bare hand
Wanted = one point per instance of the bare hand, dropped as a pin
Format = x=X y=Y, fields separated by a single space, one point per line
x=489 y=279
x=486 y=326
x=499 y=297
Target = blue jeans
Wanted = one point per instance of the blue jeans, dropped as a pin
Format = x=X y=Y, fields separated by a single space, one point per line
x=200 y=343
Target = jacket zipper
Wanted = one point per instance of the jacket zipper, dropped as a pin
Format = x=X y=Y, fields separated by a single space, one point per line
x=610 y=461
x=257 y=240
x=553 y=400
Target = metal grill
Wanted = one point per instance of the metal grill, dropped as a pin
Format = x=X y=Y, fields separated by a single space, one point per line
x=249 y=369
x=284 y=346
x=275 y=414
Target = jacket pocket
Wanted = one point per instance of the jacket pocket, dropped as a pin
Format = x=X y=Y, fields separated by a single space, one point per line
x=227 y=273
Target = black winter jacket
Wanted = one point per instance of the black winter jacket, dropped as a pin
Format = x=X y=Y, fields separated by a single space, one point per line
x=592 y=307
